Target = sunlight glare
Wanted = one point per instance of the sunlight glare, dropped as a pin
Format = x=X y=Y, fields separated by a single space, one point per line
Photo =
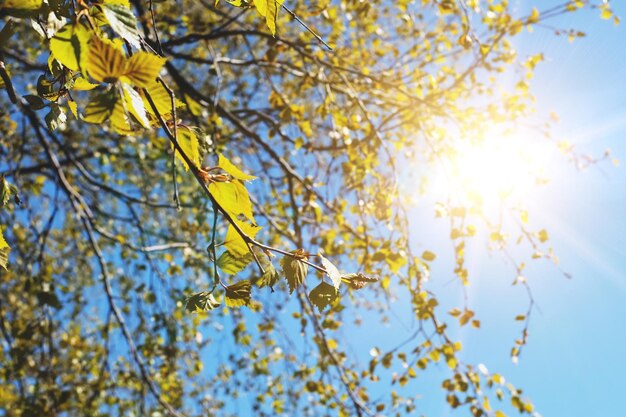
x=496 y=167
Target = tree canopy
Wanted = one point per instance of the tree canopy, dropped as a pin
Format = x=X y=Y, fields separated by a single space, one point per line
x=200 y=199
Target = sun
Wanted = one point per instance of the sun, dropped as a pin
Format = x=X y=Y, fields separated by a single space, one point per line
x=496 y=166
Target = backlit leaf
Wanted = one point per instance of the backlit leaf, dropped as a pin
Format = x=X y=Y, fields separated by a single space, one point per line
x=188 y=141
x=202 y=301
x=143 y=68
x=231 y=265
x=269 y=10
x=358 y=280
x=122 y=21
x=234 y=242
x=238 y=294
x=233 y=197
x=120 y=118
x=231 y=169
x=105 y=63
x=100 y=107
x=21 y=4
x=81 y=84
x=69 y=45
x=270 y=277
x=323 y=295
x=295 y=270
x=73 y=108
x=4 y=251
x=134 y=104
x=161 y=98
x=331 y=271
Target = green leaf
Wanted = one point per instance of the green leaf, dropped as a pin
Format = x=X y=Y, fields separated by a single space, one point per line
x=231 y=169
x=295 y=270
x=271 y=276
x=7 y=190
x=202 y=301
x=323 y=295
x=122 y=21
x=231 y=264
x=35 y=102
x=331 y=271
x=238 y=294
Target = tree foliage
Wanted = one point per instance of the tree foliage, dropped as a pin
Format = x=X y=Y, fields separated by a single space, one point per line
x=134 y=287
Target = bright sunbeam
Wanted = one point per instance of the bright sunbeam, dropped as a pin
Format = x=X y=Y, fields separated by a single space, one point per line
x=498 y=166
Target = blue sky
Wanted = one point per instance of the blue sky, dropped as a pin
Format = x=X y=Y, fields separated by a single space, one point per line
x=575 y=362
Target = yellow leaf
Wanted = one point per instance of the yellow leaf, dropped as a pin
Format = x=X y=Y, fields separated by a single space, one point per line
x=238 y=294
x=100 y=108
x=233 y=197
x=428 y=256
x=534 y=16
x=234 y=242
x=188 y=141
x=124 y=3
x=143 y=68
x=69 y=44
x=161 y=98
x=21 y=4
x=4 y=251
x=269 y=10
x=120 y=122
x=81 y=84
x=606 y=13
x=500 y=414
x=73 y=107
x=3 y=242
x=105 y=62
x=194 y=107
x=134 y=105
x=227 y=166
